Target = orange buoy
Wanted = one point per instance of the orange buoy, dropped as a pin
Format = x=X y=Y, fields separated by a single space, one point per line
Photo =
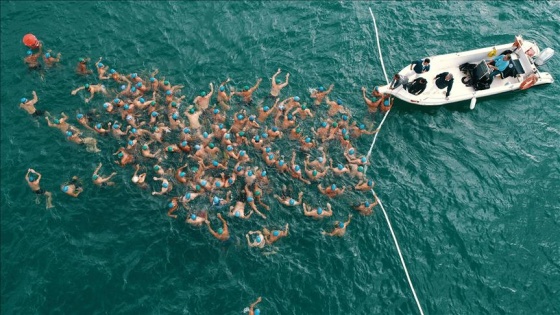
x=528 y=82
x=31 y=41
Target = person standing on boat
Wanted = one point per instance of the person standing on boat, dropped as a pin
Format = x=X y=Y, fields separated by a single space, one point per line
x=444 y=80
x=420 y=66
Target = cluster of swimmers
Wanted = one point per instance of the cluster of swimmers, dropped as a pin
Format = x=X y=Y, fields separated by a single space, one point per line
x=230 y=145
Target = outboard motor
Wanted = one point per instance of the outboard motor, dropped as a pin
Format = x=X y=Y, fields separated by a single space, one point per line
x=544 y=56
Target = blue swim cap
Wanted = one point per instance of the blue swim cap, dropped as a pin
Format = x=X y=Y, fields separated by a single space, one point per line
x=333 y=187
x=184 y=143
x=134 y=75
x=164 y=185
x=344 y=131
x=65 y=189
x=229 y=148
x=68 y=133
x=341 y=225
x=95 y=176
x=220 y=231
x=215 y=163
x=156 y=167
x=86 y=85
x=258 y=239
x=239 y=168
x=112 y=71
x=221 y=126
x=216 y=111
x=386 y=102
x=182 y=174
x=216 y=200
x=237 y=214
x=222 y=88
x=193 y=216
x=351 y=151
x=23 y=100
x=126 y=106
x=142 y=100
x=130 y=142
x=100 y=65
x=175 y=116
x=319 y=210
x=154 y=114
x=203 y=182
x=281 y=162
x=275 y=233
x=230 y=181
x=116 y=126
x=321 y=89
x=173 y=104
x=340 y=166
x=266 y=108
x=362 y=127
x=257 y=311
x=307 y=140
x=339 y=101
x=128 y=117
x=205 y=134
x=186 y=130
x=239 y=117
x=292 y=202
x=297 y=168
x=263 y=173
x=188 y=195
x=116 y=100
x=152 y=79
x=360 y=169
x=197 y=187
x=133 y=130
x=324 y=124
x=31 y=178
x=252 y=118
x=290 y=117
x=139 y=84
x=250 y=173
x=170 y=205
x=227 y=136
x=218 y=184
x=57 y=121
x=314 y=172
x=274 y=128
x=123 y=87
x=168 y=92
x=133 y=89
x=257 y=138
x=296 y=98
x=268 y=149
x=363 y=159
x=98 y=126
x=80 y=116
x=197 y=147
x=366 y=204
x=370 y=182
x=29 y=52
x=271 y=156
x=47 y=55
x=320 y=159
x=242 y=153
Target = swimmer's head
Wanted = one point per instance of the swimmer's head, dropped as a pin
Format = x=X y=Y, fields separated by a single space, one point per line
x=345 y=117
x=152 y=79
x=133 y=75
x=116 y=101
x=169 y=149
x=281 y=162
x=120 y=155
x=31 y=178
x=153 y=103
x=23 y=100
x=241 y=133
x=156 y=167
x=257 y=138
x=191 y=110
x=188 y=195
x=133 y=130
x=307 y=140
x=274 y=128
x=362 y=127
x=252 y=118
x=218 y=184
x=257 y=311
x=197 y=147
x=386 y=102
x=246 y=88
x=98 y=126
x=193 y=216
x=340 y=166
x=263 y=173
x=86 y=85
x=57 y=121
x=135 y=179
x=82 y=60
x=184 y=143
x=139 y=84
x=100 y=65
x=170 y=205
x=240 y=116
x=319 y=210
x=339 y=101
x=165 y=82
x=324 y=124
x=250 y=173
x=275 y=233
x=370 y=182
x=80 y=116
x=298 y=130
x=186 y=130
x=220 y=231
x=334 y=124
x=367 y=204
x=141 y=100
x=227 y=136
x=203 y=93
x=321 y=89
x=65 y=188
x=47 y=55
x=239 y=168
x=360 y=169
x=363 y=159
x=145 y=147
x=221 y=126
x=341 y=225
x=165 y=185
x=133 y=89
x=216 y=200
x=69 y=133
x=290 y=116
x=267 y=149
x=112 y=71
x=237 y=214
x=216 y=111
x=29 y=52
x=126 y=107
x=197 y=187
x=257 y=193
x=320 y=159
x=230 y=181
x=203 y=182
x=266 y=108
x=222 y=88
x=315 y=173
x=242 y=153
x=292 y=202
x=215 y=163
x=333 y=187
x=271 y=156
x=351 y=151
x=175 y=116
x=258 y=239
x=346 y=137
x=205 y=134
x=130 y=142
x=229 y=148
x=278 y=81
x=123 y=87
x=297 y=168
x=154 y=114
x=128 y=117
x=296 y=98
x=168 y=92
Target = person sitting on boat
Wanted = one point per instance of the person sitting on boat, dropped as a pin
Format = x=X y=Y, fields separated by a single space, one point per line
x=444 y=80
x=499 y=64
x=399 y=80
x=417 y=86
x=420 y=66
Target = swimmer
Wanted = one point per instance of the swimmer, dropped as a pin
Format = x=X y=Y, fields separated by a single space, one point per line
x=125 y=157
x=247 y=92
x=50 y=60
x=265 y=111
x=307 y=144
x=180 y=175
x=188 y=197
x=116 y=130
x=172 y=206
x=335 y=107
x=320 y=94
x=252 y=310
x=273 y=133
x=289 y=201
x=101 y=70
x=339 y=229
x=317 y=213
x=340 y=169
x=239 y=121
x=218 y=202
x=387 y=103
x=73 y=187
x=82 y=119
x=197 y=219
x=203 y=100
x=277 y=84
x=32 y=60
x=259 y=240
x=147 y=153
x=223 y=96
x=29 y=105
x=320 y=162
x=102 y=181
x=303 y=112
x=314 y=174
x=33 y=179
x=193 y=116
x=154 y=83
x=249 y=197
x=218 y=118
x=252 y=123
x=81 y=67
x=281 y=165
x=165 y=186
x=275 y=235
x=99 y=129
x=358 y=130
x=139 y=179
x=331 y=191
x=356 y=171
x=222 y=233
x=257 y=193
x=288 y=121
x=371 y=105
x=238 y=211
x=366 y=208
x=60 y=123
x=92 y=89
x=295 y=170
x=296 y=134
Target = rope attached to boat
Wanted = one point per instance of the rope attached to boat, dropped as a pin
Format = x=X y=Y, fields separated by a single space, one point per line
x=373 y=192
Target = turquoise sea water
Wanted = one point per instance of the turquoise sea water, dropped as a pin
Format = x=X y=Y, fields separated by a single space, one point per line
x=472 y=195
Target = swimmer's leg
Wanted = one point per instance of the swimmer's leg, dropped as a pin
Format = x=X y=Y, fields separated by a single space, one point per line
x=48 y=197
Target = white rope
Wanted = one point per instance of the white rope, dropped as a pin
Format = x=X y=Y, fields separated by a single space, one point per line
x=373 y=192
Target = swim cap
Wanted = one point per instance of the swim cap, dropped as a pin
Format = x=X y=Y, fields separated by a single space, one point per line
x=156 y=167
x=126 y=106
x=152 y=79
x=242 y=133
x=220 y=231
x=79 y=59
x=239 y=168
x=278 y=81
x=229 y=148
x=351 y=151
x=112 y=71
x=188 y=195
x=250 y=173
x=344 y=117
x=128 y=117
x=252 y=118
x=133 y=89
x=130 y=142
x=297 y=168
x=360 y=169
x=133 y=130
x=68 y=133
x=184 y=143
x=86 y=86
x=154 y=114
x=292 y=202
x=221 y=126
x=274 y=128
x=264 y=135
x=321 y=89
x=31 y=178
x=205 y=134
x=106 y=105
x=215 y=163
x=23 y=100
x=197 y=147
x=268 y=149
x=139 y=84
x=258 y=239
x=363 y=159
x=271 y=156
x=203 y=182
x=319 y=210
x=166 y=82
x=216 y=111
x=197 y=187
x=246 y=88
x=120 y=154
x=216 y=200
x=386 y=102
x=242 y=153
x=339 y=101
x=168 y=92
x=116 y=126
x=65 y=189
x=239 y=117
x=290 y=117
x=341 y=225
x=266 y=108
x=80 y=116
x=314 y=172
x=257 y=138
x=57 y=121
x=186 y=130
x=340 y=166
x=145 y=147
x=367 y=204
x=100 y=65
x=203 y=93
x=29 y=52
x=175 y=116
x=170 y=149
x=227 y=136
x=191 y=110
x=98 y=126
x=222 y=88
x=298 y=130
x=334 y=124
x=275 y=233
x=257 y=311
x=47 y=55
x=165 y=185
x=134 y=75
x=170 y=205
x=193 y=216
x=230 y=181
x=320 y=159
x=346 y=137
x=303 y=106
x=296 y=98
x=116 y=101
x=307 y=140
x=153 y=103
x=370 y=182
x=376 y=88
x=257 y=193
x=263 y=173
x=123 y=87
x=333 y=187
x=237 y=214
x=281 y=162
x=218 y=184
x=141 y=100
